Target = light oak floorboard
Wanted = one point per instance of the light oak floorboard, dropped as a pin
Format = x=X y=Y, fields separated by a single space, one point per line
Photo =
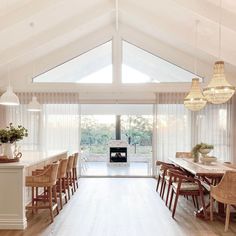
x=120 y=207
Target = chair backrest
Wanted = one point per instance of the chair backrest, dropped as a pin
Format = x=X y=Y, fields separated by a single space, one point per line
x=227 y=187
x=53 y=172
x=62 y=168
x=70 y=163
x=183 y=155
x=76 y=156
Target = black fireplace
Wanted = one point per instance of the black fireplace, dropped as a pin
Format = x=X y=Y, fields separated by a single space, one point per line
x=118 y=154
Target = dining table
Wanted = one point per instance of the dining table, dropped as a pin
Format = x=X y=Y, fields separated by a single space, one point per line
x=209 y=174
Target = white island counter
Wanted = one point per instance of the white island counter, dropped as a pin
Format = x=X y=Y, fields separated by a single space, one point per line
x=13 y=194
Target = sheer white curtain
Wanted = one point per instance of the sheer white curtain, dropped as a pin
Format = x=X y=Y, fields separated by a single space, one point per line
x=178 y=129
x=56 y=127
x=173 y=125
x=214 y=126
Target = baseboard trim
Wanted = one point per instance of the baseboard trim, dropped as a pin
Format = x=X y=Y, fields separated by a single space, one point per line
x=13 y=224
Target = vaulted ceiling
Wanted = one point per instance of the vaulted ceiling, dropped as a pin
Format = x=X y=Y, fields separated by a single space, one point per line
x=36 y=35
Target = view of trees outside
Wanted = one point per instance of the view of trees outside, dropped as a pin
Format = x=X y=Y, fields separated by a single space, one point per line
x=137 y=130
x=98 y=130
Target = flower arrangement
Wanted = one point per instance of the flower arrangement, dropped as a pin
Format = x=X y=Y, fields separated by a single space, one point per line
x=199 y=146
x=13 y=134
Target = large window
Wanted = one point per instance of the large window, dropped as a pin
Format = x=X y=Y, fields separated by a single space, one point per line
x=94 y=66
x=140 y=66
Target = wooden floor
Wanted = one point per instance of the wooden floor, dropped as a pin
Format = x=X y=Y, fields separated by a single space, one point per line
x=120 y=207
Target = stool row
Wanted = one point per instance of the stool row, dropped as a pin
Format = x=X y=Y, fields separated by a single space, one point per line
x=57 y=181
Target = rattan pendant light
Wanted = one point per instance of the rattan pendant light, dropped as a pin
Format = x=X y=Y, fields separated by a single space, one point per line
x=219 y=90
x=195 y=100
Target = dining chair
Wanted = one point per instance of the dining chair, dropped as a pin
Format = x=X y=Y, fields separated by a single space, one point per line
x=163 y=167
x=224 y=192
x=185 y=186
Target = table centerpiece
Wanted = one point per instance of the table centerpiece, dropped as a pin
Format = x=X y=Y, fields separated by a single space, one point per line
x=204 y=149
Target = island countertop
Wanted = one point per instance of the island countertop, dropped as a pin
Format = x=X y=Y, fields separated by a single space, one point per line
x=14 y=195
x=31 y=158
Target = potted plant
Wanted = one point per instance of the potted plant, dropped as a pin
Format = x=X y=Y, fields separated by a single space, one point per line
x=202 y=148
x=10 y=135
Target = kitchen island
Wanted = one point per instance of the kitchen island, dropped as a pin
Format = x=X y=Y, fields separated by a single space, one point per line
x=14 y=196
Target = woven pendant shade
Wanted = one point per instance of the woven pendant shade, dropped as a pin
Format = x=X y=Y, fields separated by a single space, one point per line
x=219 y=90
x=195 y=100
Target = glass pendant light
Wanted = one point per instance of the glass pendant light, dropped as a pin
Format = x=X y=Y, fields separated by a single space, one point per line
x=9 y=98
x=219 y=90
x=34 y=105
x=195 y=100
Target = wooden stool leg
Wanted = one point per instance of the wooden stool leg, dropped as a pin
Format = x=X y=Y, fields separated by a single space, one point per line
x=76 y=178
x=50 y=203
x=55 y=197
x=73 y=178
x=64 y=189
x=60 y=193
x=227 y=217
x=71 y=183
x=68 y=185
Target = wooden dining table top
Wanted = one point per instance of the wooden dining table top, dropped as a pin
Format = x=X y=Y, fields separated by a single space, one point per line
x=214 y=169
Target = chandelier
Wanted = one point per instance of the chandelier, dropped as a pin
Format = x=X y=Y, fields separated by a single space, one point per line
x=219 y=90
x=195 y=100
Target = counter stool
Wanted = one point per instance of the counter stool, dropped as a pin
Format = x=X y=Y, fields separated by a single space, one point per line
x=69 y=172
x=45 y=179
x=61 y=175
x=74 y=171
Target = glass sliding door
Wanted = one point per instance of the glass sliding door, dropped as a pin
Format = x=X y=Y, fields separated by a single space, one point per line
x=106 y=124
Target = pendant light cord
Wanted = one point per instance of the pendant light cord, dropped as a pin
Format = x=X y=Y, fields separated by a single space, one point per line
x=117 y=15
x=195 y=45
x=220 y=19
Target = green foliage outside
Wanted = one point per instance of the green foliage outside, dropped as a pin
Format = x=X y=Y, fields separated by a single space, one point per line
x=136 y=129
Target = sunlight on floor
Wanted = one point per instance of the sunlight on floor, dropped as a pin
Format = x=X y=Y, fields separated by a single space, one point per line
x=104 y=169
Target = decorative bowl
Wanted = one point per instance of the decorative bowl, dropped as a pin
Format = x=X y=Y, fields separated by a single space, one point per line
x=204 y=150
x=207 y=159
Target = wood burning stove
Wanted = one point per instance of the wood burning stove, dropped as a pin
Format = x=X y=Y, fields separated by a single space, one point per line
x=118 y=151
x=118 y=154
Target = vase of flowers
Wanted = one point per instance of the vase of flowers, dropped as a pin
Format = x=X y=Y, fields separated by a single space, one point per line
x=10 y=135
x=202 y=148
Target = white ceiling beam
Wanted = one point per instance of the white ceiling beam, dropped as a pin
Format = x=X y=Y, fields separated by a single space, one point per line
x=21 y=75
x=57 y=36
x=178 y=30
x=25 y=11
x=209 y=11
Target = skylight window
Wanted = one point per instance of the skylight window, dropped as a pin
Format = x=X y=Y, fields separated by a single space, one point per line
x=140 y=66
x=93 y=67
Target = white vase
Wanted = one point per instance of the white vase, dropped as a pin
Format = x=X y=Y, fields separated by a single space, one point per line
x=7 y=151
